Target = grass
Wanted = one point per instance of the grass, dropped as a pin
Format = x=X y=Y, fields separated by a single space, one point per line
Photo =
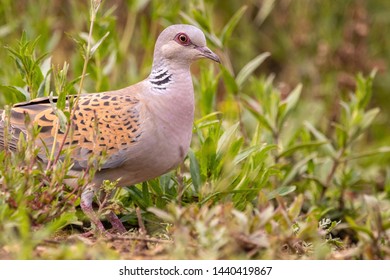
x=288 y=158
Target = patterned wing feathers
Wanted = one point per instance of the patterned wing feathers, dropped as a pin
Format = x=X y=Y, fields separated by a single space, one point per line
x=103 y=123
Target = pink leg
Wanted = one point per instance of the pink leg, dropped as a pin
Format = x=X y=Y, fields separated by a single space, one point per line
x=116 y=223
x=86 y=206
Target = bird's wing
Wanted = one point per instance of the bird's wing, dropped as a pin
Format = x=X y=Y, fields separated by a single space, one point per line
x=105 y=123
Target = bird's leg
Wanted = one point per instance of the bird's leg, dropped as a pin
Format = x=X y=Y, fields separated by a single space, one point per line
x=106 y=194
x=86 y=206
x=115 y=222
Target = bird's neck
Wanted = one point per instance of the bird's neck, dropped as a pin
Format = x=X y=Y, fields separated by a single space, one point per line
x=174 y=89
x=163 y=77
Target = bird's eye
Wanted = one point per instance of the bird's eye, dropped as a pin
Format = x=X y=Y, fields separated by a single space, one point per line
x=183 y=39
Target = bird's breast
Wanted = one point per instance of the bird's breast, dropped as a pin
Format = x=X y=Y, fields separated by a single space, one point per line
x=173 y=122
x=166 y=135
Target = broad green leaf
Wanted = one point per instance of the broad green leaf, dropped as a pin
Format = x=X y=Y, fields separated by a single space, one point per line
x=208 y=123
x=251 y=150
x=290 y=103
x=98 y=43
x=249 y=68
x=293 y=97
x=156 y=188
x=226 y=138
x=137 y=196
x=281 y=191
x=205 y=118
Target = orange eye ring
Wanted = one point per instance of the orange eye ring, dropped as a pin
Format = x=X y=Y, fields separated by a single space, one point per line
x=183 y=39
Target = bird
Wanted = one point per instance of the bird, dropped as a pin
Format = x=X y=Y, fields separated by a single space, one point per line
x=144 y=130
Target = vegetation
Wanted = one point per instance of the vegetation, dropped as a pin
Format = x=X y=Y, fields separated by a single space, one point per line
x=289 y=158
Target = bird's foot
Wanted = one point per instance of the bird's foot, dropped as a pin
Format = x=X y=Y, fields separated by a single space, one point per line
x=97 y=233
x=86 y=206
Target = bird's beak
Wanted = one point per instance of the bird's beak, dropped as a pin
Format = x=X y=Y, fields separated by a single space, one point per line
x=206 y=52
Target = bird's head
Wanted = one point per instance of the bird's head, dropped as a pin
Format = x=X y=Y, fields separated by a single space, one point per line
x=182 y=44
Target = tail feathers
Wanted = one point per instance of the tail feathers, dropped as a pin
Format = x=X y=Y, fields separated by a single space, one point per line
x=12 y=141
